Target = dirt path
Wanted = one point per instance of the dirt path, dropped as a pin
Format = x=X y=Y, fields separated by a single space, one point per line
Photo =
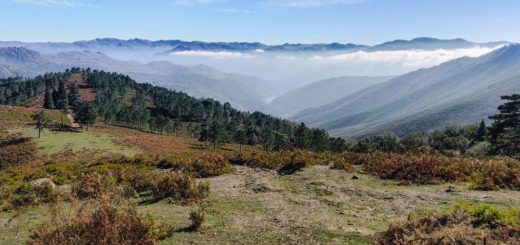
x=320 y=206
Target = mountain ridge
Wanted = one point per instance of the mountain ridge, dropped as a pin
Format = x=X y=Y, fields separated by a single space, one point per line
x=176 y=45
x=444 y=86
x=199 y=81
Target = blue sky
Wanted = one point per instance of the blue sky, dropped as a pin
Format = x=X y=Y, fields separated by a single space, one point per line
x=268 y=21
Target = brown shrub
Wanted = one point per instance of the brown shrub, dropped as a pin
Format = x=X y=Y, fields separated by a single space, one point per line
x=103 y=223
x=90 y=185
x=15 y=150
x=28 y=195
x=208 y=165
x=470 y=224
x=497 y=174
x=180 y=187
x=285 y=162
x=203 y=165
x=421 y=169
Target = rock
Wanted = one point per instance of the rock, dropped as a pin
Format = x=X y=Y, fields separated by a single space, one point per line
x=43 y=181
x=451 y=189
x=354 y=177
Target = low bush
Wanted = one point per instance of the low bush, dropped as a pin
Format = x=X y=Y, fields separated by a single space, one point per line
x=28 y=195
x=180 y=187
x=93 y=184
x=15 y=149
x=466 y=224
x=203 y=165
x=198 y=219
x=497 y=174
x=285 y=162
x=102 y=223
x=420 y=169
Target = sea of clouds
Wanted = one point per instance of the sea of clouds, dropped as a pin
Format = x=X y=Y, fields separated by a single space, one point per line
x=287 y=70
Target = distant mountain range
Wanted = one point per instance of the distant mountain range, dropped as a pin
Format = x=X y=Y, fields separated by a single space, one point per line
x=321 y=93
x=460 y=91
x=244 y=92
x=167 y=46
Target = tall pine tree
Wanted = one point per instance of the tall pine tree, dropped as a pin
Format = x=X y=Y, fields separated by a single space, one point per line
x=505 y=131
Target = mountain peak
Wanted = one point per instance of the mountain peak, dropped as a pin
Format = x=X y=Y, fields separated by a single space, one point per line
x=19 y=54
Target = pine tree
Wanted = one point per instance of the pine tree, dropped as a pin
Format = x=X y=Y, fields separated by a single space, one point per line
x=505 y=131
x=240 y=138
x=280 y=142
x=48 y=102
x=204 y=135
x=62 y=96
x=74 y=95
x=217 y=134
x=85 y=115
x=482 y=131
x=300 y=136
x=338 y=145
x=41 y=122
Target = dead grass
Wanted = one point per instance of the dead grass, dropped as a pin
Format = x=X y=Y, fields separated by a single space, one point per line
x=104 y=222
x=468 y=224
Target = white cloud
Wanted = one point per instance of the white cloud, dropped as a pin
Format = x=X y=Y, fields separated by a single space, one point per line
x=406 y=58
x=236 y=11
x=214 y=55
x=67 y=3
x=314 y=3
x=285 y=57
x=194 y=2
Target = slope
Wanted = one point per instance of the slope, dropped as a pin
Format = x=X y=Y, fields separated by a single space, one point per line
x=321 y=93
x=450 y=85
x=242 y=91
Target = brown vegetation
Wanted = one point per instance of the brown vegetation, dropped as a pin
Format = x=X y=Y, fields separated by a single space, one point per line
x=467 y=224
x=103 y=223
x=15 y=149
x=433 y=168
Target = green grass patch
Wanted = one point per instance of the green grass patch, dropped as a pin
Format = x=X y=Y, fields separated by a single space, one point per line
x=58 y=142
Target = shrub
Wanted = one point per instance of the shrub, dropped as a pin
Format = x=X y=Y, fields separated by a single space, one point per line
x=198 y=219
x=204 y=165
x=107 y=224
x=208 y=165
x=466 y=224
x=15 y=150
x=28 y=195
x=285 y=162
x=421 y=169
x=479 y=150
x=497 y=174
x=93 y=184
x=180 y=187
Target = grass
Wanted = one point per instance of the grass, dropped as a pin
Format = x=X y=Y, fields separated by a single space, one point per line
x=83 y=142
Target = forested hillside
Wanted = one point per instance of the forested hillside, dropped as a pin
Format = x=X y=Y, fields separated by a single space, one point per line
x=121 y=100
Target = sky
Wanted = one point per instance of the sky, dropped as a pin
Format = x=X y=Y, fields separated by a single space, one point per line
x=267 y=21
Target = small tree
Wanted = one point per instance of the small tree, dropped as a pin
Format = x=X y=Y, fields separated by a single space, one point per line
x=204 y=136
x=240 y=138
x=217 y=134
x=280 y=142
x=74 y=95
x=481 y=131
x=177 y=127
x=85 y=115
x=41 y=122
x=48 y=102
